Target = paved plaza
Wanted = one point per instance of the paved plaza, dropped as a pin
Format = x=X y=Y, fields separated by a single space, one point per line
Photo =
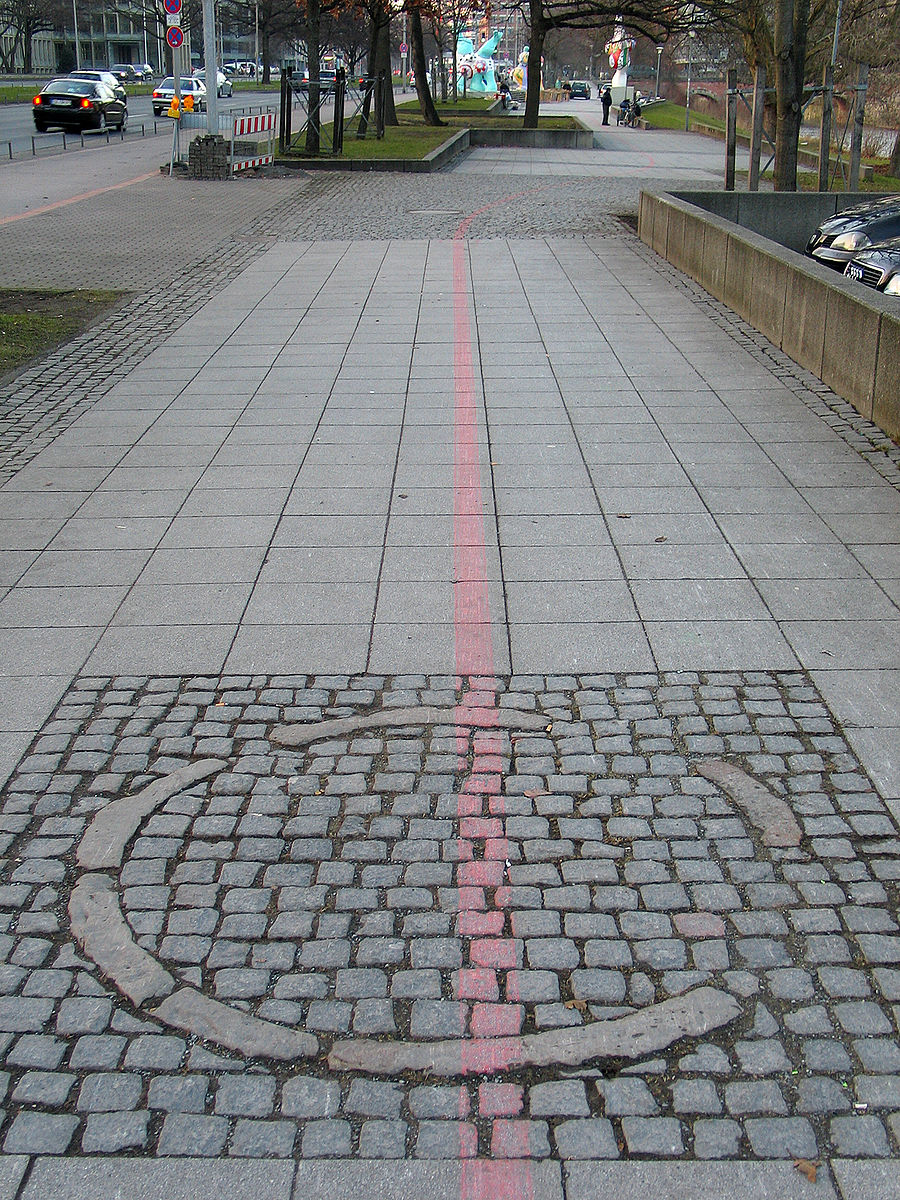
x=449 y=704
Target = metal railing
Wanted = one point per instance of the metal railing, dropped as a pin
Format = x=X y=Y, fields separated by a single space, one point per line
x=47 y=144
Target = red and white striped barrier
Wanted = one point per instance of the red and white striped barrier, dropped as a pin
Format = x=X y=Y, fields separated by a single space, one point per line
x=242 y=127
x=258 y=124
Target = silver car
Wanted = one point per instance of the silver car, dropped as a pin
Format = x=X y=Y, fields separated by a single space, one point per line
x=223 y=83
x=190 y=86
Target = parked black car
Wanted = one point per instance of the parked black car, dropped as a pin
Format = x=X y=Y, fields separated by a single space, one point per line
x=78 y=104
x=842 y=236
x=878 y=267
x=125 y=73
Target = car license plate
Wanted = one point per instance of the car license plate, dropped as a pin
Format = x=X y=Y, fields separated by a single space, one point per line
x=62 y=103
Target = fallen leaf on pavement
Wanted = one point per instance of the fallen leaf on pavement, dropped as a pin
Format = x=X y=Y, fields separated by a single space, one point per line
x=807 y=1168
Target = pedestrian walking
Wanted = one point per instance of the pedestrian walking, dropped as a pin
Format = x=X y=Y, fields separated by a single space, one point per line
x=606 y=101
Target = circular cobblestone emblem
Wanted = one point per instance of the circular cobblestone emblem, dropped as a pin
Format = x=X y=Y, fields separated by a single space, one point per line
x=421 y=889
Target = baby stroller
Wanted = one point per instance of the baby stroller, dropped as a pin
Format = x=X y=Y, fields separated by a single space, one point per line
x=634 y=113
x=623 y=113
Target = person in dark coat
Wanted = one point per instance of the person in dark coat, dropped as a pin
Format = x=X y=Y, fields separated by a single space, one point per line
x=606 y=101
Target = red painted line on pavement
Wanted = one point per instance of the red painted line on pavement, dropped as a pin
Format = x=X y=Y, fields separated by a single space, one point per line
x=45 y=208
x=482 y=849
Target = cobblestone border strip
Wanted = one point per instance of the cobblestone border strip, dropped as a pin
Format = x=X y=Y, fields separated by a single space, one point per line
x=695 y=1014
x=862 y=435
x=762 y=808
x=494 y=718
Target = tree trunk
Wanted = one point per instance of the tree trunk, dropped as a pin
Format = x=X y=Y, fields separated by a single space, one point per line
x=266 y=57
x=313 y=64
x=363 y=126
x=420 y=66
x=535 y=53
x=384 y=64
x=894 y=164
x=791 y=26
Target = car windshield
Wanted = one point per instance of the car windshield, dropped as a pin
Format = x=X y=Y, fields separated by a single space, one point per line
x=187 y=85
x=69 y=87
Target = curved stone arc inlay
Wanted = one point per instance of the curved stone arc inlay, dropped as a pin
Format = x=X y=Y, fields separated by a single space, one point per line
x=103 y=933
x=193 y=1012
x=762 y=808
x=636 y=1035
x=103 y=844
x=302 y=734
x=105 y=936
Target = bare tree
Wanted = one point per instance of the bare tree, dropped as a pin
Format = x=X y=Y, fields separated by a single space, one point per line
x=24 y=19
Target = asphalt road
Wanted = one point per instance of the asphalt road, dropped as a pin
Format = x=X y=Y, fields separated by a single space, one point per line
x=17 y=126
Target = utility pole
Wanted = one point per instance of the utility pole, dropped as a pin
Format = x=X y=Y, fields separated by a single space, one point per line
x=77 y=42
x=687 y=107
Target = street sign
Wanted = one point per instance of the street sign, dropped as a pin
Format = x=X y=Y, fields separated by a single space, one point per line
x=174 y=36
x=403 y=48
x=172 y=6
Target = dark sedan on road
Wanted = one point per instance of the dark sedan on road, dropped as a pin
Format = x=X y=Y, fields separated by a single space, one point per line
x=878 y=267
x=107 y=77
x=78 y=104
x=580 y=90
x=842 y=236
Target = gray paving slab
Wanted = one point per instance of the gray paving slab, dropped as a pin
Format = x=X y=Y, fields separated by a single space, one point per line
x=176 y=1179
x=440 y=1180
x=693 y=1181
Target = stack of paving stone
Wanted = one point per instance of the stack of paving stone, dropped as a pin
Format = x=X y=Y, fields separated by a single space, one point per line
x=208 y=157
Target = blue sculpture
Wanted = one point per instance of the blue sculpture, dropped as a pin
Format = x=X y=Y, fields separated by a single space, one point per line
x=475 y=68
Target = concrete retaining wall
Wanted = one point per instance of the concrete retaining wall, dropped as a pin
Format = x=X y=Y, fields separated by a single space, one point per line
x=538 y=139
x=843 y=332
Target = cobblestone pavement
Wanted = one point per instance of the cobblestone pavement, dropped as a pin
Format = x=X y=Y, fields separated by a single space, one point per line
x=457 y=880
x=566 y=926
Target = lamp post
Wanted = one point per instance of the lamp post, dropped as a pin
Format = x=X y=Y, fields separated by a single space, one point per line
x=659 y=50
x=77 y=44
x=687 y=108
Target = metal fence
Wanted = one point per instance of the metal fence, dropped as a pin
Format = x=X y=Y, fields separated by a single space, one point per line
x=45 y=144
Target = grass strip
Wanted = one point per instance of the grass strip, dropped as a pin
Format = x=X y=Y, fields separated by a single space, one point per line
x=33 y=322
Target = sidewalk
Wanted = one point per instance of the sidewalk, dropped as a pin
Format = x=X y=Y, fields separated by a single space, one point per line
x=450 y=712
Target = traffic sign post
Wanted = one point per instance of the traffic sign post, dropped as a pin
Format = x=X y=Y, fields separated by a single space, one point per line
x=174 y=36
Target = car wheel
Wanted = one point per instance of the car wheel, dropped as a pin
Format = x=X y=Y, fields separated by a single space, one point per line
x=40 y=126
x=123 y=122
x=157 y=112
